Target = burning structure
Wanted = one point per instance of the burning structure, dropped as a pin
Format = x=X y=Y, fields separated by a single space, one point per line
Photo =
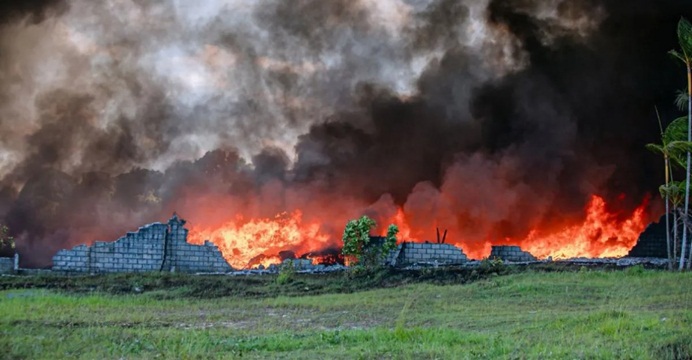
x=154 y=247
x=164 y=247
x=272 y=123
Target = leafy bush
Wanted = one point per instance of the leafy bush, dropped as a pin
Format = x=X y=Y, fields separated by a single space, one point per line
x=286 y=273
x=635 y=270
x=360 y=247
x=492 y=265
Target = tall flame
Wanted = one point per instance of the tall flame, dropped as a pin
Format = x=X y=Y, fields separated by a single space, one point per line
x=251 y=242
x=600 y=235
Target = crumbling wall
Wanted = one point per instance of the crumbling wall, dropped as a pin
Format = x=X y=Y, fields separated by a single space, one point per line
x=6 y=265
x=652 y=242
x=510 y=253
x=411 y=253
x=154 y=247
x=186 y=257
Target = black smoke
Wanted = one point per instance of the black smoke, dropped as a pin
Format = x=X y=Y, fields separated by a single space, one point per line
x=33 y=11
x=491 y=140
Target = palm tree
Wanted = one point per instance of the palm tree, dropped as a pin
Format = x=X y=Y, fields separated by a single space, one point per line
x=674 y=191
x=671 y=148
x=685 y=40
x=665 y=189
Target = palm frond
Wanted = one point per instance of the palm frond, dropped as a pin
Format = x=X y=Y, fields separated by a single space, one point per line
x=683 y=146
x=677 y=55
x=681 y=98
x=675 y=191
x=676 y=130
x=663 y=190
x=678 y=192
x=679 y=160
x=656 y=148
x=685 y=38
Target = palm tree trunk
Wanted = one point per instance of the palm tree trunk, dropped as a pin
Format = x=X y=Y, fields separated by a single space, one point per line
x=687 y=168
x=689 y=131
x=670 y=258
x=676 y=226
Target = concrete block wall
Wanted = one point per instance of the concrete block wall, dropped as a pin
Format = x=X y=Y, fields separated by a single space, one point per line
x=652 y=242
x=393 y=256
x=6 y=265
x=197 y=258
x=411 y=253
x=510 y=253
x=76 y=259
x=153 y=247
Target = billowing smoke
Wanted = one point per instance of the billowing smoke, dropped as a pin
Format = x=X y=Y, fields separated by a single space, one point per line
x=487 y=117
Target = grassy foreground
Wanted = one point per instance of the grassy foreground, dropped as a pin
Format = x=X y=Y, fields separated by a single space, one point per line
x=633 y=314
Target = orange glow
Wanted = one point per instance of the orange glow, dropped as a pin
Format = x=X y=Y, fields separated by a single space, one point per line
x=600 y=235
x=248 y=243
x=404 y=229
x=263 y=261
x=325 y=259
x=242 y=240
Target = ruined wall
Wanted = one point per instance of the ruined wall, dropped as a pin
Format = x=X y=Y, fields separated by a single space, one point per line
x=412 y=253
x=154 y=247
x=6 y=265
x=652 y=242
x=510 y=253
x=186 y=257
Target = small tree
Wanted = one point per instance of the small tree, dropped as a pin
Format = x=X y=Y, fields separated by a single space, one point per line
x=673 y=147
x=6 y=241
x=685 y=56
x=358 y=244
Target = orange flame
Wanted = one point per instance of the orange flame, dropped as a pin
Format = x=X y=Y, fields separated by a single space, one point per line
x=241 y=241
x=600 y=235
x=249 y=243
x=264 y=261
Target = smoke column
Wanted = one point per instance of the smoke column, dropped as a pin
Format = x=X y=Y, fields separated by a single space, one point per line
x=487 y=117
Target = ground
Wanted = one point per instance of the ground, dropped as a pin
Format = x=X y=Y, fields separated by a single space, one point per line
x=490 y=314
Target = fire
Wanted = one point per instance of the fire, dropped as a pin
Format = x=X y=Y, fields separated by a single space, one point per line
x=601 y=234
x=241 y=241
x=262 y=260
x=328 y=259
x=248 y=243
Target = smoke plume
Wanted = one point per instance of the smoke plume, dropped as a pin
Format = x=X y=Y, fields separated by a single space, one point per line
x=487 y=117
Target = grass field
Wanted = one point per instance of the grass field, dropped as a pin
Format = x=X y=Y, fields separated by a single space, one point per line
x=632 y=314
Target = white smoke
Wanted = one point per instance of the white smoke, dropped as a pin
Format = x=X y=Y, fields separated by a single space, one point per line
x=230 y=73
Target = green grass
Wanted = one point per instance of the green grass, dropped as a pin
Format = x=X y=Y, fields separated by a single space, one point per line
x=535 y=315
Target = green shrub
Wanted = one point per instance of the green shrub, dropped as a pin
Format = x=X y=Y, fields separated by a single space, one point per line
x=358 y=244
x=491 y=265
x=635 y=270
x=287 y=273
